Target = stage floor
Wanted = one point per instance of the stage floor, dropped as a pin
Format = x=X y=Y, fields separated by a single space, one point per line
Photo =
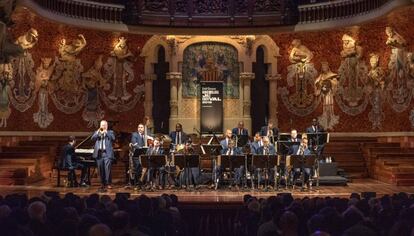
x=205 y=195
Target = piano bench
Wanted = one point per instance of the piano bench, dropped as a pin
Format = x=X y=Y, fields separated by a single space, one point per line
x=59 y=169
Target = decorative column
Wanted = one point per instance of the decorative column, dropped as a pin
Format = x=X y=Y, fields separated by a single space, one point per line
x=175 y=79
x=148 y=103
x=273 y=97
x=245 y=79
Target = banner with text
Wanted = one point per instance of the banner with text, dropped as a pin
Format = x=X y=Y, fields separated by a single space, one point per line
x=211 y=113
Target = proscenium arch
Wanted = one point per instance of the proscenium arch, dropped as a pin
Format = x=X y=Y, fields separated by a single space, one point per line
x=150 y=53
x=271 y=52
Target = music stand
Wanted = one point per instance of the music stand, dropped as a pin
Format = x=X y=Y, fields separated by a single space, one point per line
x=242 y=140
x=152 y=161
x=318 y=139
x=263 y=162
x=188 y=161
x=302 y=162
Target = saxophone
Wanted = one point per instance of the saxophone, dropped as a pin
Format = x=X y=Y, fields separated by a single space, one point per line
x=131 y=170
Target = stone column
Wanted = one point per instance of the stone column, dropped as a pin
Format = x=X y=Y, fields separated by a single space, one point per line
x=175 y=79
x=245 y=79
x=273 y=97
x=148 y=103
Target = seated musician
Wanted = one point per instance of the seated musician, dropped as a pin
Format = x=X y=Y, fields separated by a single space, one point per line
x=178 y=136
x=270 y=131
x=240 y=130
x=256 y=144
x=266 y=149
x=71 y=162
x=316 y=144
x=302 y=150
x=225 y=142
x=238 y=172
x=138 y=141
x=155 y=149
x=293 y=138
x=193 y=172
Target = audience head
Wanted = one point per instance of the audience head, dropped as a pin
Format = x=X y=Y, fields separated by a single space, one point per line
x=37 y=211
x=100 y=230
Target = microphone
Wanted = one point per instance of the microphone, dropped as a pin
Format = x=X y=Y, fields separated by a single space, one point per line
x=162 y=124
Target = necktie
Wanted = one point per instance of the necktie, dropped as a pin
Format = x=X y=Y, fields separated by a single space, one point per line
x=240 y=132
x=179 y=137
x=103 y=142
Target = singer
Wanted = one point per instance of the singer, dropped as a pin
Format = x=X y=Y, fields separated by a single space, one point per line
x=103 y=153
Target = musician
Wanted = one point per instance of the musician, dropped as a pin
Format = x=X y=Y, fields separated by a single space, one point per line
x=302 y=150
x=316 y=144
x=266 y=149
x=193 y=172
x=225 y=142
x=270 y=131
x=71 y=162
x=256 y=144
x=231 y=150
x=103 y=153
x=156 y=149
x=293 y=138
x=178 y=136
x=240 y=130
x=139 y=141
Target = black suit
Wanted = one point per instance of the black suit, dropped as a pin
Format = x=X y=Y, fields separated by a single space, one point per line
x=71 y=162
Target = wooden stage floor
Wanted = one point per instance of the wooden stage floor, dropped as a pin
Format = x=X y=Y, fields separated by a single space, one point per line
x=205 y=195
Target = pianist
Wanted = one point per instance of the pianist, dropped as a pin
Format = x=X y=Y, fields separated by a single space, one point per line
x=103 y=153
x=71 y=162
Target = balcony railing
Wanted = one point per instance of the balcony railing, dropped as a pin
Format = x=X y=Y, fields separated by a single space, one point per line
x=211 y=13
x=336 y=10
x=87 y=10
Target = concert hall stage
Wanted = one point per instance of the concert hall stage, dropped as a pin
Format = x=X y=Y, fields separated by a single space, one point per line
x=205 y=195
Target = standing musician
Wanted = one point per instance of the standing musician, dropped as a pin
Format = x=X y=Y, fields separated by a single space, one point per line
x=178 y=137
x=270 y=131
x=231 y=150
x=139 y=141
x=156 y=149
x=240 y=130
x=104 y=154
x=71 y=162
x=316 y=144
x=302 y=150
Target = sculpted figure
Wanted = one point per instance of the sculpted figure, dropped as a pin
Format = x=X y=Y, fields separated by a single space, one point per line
x=68 y=52
x=376 y=73
x=326 y=86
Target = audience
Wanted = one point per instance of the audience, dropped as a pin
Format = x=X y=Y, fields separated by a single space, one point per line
x=277 y=215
